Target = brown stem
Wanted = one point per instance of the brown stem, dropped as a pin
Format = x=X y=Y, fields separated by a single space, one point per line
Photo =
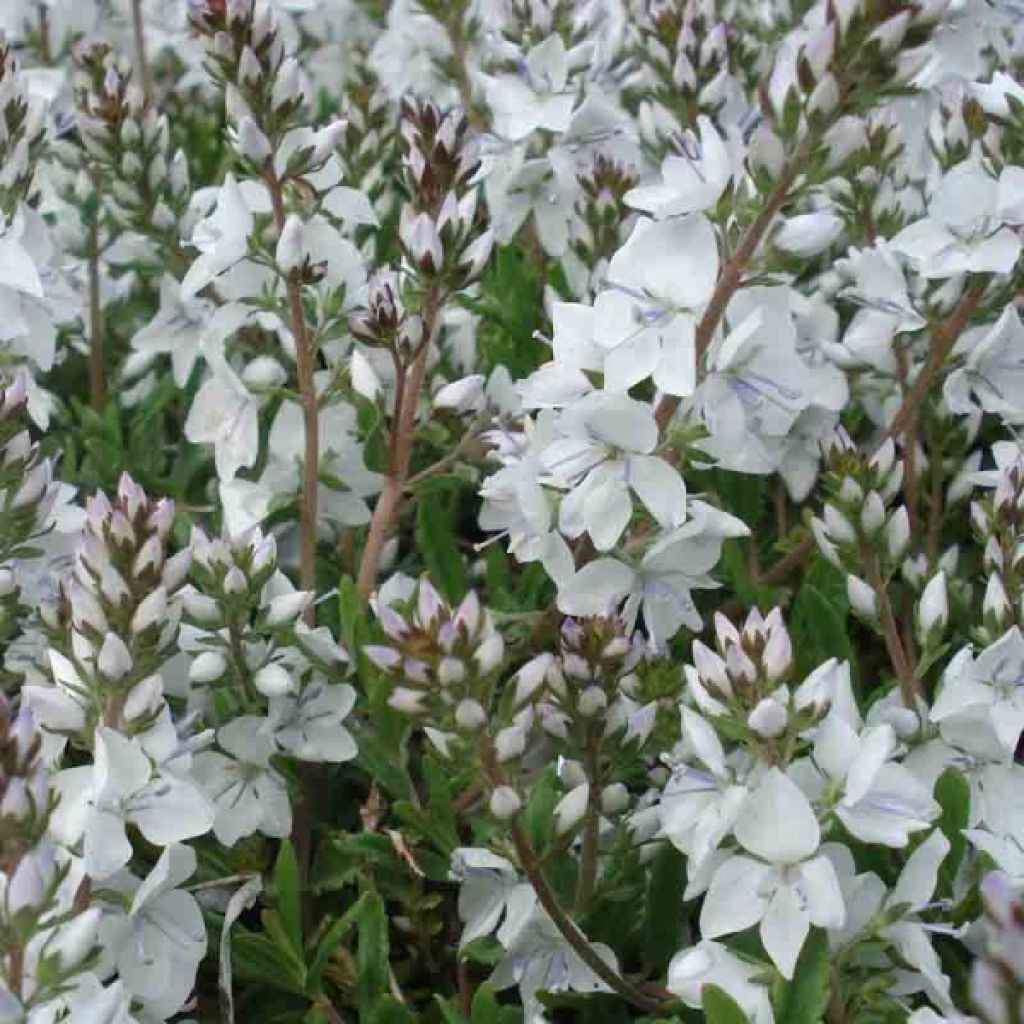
x=935 y=510
x=731 y=275
x=141 y=58
x=45 y=46
x=909 y=440
x=312 y=776
x=529 y=862
x=943 y=340
x=407 y=398
x=97 y=386
x=890 y=631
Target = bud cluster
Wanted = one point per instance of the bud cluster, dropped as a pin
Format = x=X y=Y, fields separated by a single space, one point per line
x=442 y=226
x=860 y=531
x=46 y=935
x=123 y=150
x=997 y=520
x=748 y=679
x=115 y=622
x=684 y=57
x=251 y=644
x=443 y=660
x=604 y=218
x=22 y=135
x=26 y=476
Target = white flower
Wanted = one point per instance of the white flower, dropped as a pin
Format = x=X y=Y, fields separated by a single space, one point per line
x=809 y=233
x=537 y=97
x=538 y=957
x=309 y=726
x=691 y=183
x=991 y=684
x=881 y=802
x=158 y=944
x=248 y=795
x=992 y=377
x=222 y=238
x=710 y=963
x=98 y=801
x=700 y=803
x=967 y=227
x=225 y=414
x=177 y=330
x=491 y=896
x=784 y=886
x=646 y=318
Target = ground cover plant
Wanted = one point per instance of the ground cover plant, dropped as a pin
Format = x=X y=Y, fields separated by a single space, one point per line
x=512 y=511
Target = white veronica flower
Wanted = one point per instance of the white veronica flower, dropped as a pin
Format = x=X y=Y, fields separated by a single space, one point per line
x=493 y=900
x=646 y=318
x=992 y=377
x=158 y=942
x=98 y=801
x=690 y=183
x=248 y=795
x=881 y=801
x=967 y=227
x=786 y=886
x=222 y=238
x=991 y=684
x=538 y=97
x=711 y=963
x=308 y=725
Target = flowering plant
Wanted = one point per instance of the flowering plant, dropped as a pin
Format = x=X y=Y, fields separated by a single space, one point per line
x=512 y=511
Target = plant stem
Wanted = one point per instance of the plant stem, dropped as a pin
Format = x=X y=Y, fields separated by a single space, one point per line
x=731 y=276
x=96 y=381
x=529 y=862
x=141 y=58
x=407 y=398
x=890 y=631
x=45 y=46
x=943 y=340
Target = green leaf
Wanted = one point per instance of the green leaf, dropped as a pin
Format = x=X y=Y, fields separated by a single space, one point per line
x=288 y=892
x=817 y=625
x=721 y=1008
x=664 y=922
x=379 y=762
x=806 y=996
x=390 y=1011
x=485 y=1008
x=373 y=953
x=538 y=815
x=436 y=542
x=953 y=793
x=330 y=941
x=258 y=958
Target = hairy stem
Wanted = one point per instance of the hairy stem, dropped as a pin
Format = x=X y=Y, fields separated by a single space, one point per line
x=943 y=340
x=909 y=688
x=407 y=398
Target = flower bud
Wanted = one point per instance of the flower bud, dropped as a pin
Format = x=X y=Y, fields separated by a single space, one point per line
x=274 y=680
x=144 y=698
x=286 y=608
x=470 y=715
x=505 y=803
x=569 y=811
x=614 y=799
x=862 y=597
x=768 y=719
x=150 y=611
x=207 y=667
x=933 y=610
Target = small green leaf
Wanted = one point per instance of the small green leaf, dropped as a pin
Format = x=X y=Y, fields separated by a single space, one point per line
x=390 y=1011
x=664 y=922
x=332 y=938
x=373 y=953
x=437 y=543
x=485 y=1007
x=953 y=793
x=288 y=893
x=721 y=1008
x=806 y=996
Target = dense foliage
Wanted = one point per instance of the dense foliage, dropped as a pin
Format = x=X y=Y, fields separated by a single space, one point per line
x=512 y=511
